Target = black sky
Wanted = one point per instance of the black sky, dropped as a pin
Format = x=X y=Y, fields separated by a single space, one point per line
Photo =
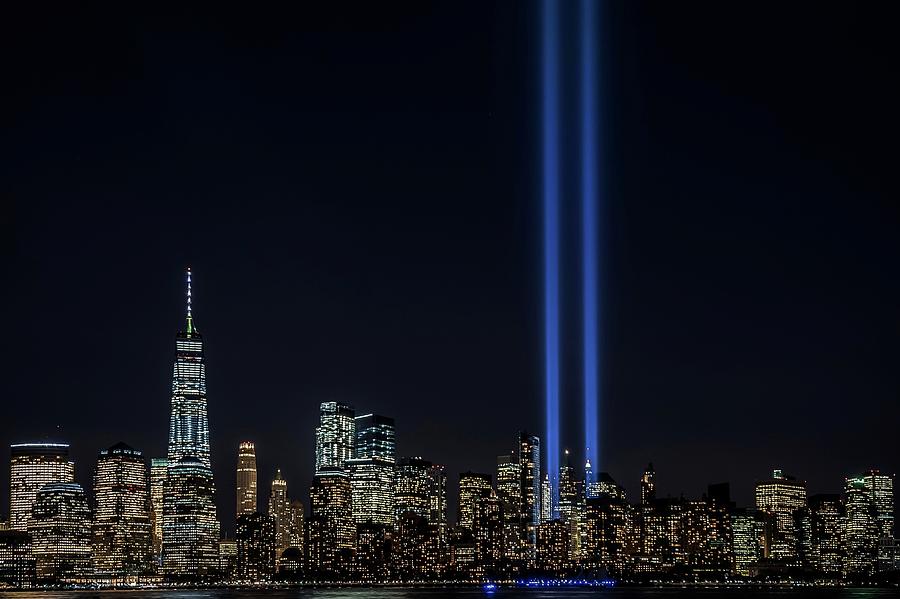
x=357 y=190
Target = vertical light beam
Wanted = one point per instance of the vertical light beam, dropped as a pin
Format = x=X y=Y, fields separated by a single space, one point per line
x=589 y=200
x=550 y=130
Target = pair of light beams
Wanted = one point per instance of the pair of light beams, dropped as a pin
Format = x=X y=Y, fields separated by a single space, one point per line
x=551 y=191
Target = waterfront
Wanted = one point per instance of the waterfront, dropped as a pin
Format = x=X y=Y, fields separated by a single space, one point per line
x=470 y=592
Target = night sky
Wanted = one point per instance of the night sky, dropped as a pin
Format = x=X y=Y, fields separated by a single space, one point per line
x=357 y=189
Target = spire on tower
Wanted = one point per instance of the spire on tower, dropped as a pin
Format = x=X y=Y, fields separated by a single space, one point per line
x=190 y=319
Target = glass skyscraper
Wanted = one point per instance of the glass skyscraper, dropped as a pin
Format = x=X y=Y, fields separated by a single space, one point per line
x=31 y=466
x=190 y=527
x=372 y=470
x=375 y=437
x=122 y=530
x=372 y=490
x=781 y=497
x=60 y=528
x=335 y=436
x=189 y=425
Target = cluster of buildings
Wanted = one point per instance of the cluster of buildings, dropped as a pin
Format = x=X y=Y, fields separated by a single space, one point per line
x=374 y=517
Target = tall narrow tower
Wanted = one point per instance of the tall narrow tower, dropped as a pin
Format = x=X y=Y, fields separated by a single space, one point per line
x=246 y=479
x=190 y=527
x=189 y=425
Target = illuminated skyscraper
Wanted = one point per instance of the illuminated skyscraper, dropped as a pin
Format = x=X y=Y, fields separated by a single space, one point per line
x=122 y=532
x=16 y=561
x=472 y=486
x=280 y=511
x=189 y=425
x=509 y=494
x=529 y=451
x=860 y=529
x=509 y=483
x=331 y=523
x=487 y=529
x=256 y=551
x=372 y=470
x=159 y=468
x=246 y=479
x=372 y=484
x=60 y=528
x=571 y=504
x=605 y=534
x=190 y=527
x=335 y=436
x=437 y=498
x=412 y=487
x=745 y=541
x=33 y=465
x=375 y=437
x=781 y=497
x=881 y=490
x=826 y=515
x=296 y=528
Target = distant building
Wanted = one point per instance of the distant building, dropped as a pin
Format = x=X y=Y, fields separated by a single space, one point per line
x=335 y=436
x=571 y=504
x=781 y=497
x=881 y=491
x=374 y=552
x=746 y=545
x=190 y=527
x=228 y=559
x=60 y=528
x=437 y=498
x=860 y=529
x=280 y=511
x=529 y=454
x=591 y=485
x=472 y=486
x=510 y=494
x=411 y=487
x=296 y=525
x=31 y=467
x=330 y=528
x=16 y=561
x=375 y=438
x=159 y=469
x=372 y=489
x=607 y=520
x=826 y=516
x=256 y=551
x=246 y=479
x=553 y=547
x=122 y=530
x=487 y=528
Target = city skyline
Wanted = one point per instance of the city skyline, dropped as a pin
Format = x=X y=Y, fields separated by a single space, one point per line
x=373 y=518
x=338 y=433
x=366 y=227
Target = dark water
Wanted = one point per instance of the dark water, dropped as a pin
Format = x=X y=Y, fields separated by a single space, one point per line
x=469 y=593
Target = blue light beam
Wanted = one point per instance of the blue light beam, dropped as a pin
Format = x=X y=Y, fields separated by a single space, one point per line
x=551 y=185
x=590 y=263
